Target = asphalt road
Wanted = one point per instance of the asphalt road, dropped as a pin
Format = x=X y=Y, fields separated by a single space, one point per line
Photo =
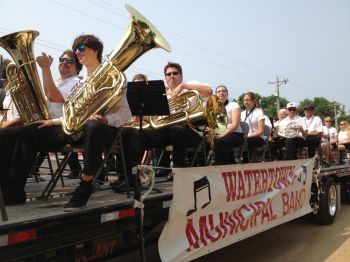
x=298 y=240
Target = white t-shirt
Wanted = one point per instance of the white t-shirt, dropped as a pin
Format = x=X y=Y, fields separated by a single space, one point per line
x=65 y=86
x=331 y=133
x=314 y=123
x=252 y=119
x=230 y=107
x=8 y=103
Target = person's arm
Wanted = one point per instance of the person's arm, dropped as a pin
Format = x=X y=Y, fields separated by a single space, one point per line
x=13 y=122
x=52 y=92
x=235 y=122
x=261 y=128
x=119 y=114
x=203 y=89
x=347 y=141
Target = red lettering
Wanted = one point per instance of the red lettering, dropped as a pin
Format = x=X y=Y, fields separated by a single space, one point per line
x=241 y=188
x=191 y=235
x=230 y=185
x=248 y=177
x=285 y=201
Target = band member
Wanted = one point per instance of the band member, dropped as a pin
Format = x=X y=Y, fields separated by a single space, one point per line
x=97 y=133
x=255 y=118
x=69 y=68
x=343 y=139
x=314 y=130
x=179 y=136
x=232 y=137
x=57 y=92
x=329 y=142
x=290 y=143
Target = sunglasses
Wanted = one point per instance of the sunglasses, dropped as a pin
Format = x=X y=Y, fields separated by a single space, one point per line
x=172 y=73
x=342 y=124
x=292 y=109
x=81 y=48
x=69 y=61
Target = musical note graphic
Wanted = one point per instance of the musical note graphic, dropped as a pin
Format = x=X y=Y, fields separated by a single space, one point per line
x=199 y=185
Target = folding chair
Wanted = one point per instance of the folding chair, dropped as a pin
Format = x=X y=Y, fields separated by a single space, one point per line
x=195 y=150
x=261 y=151
x=240 y=150
x=115 y=147
x=41 y=157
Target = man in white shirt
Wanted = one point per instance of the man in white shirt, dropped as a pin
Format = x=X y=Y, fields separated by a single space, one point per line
x=290 y=131
x=314 y=129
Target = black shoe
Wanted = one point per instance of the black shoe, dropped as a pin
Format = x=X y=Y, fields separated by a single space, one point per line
x=74 y=175
x=14 y=198
x=80 y=196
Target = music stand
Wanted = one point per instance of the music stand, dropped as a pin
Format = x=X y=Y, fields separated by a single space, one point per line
x=145 y=98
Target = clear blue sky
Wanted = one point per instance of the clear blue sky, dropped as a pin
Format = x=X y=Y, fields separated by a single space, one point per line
x=241 y=43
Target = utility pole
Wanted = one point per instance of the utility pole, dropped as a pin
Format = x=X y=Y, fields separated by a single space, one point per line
x=335 y=115
x=277 y=94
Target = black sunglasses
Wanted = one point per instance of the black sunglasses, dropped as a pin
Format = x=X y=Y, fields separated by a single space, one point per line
x=69 y=61
x=172 y=73
x=80 y=47
x=292 y=109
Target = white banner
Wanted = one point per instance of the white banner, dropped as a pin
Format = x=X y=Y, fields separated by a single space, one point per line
x=216 y=206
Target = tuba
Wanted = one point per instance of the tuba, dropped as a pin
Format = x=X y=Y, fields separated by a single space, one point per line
x=24 y=82
x=107 y=85
x=208 y=116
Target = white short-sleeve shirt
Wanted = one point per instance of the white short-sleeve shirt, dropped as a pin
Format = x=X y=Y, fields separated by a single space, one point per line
x=314 y=123
x=331 y=132
x=252 y=119
x=8 y=103
x=65 y=86
x=230 y=107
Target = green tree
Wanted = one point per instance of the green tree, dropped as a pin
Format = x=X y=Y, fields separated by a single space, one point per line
x=268 y=103
x=323 y=107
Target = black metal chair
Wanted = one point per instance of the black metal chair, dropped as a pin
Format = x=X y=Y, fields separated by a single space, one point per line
x=116 y=147
x=238 y=152
x=259 y=153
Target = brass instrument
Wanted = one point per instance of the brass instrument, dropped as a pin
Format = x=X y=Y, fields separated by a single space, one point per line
x=210 y=116
x=107 y=85
x=24 y=82
x=289 y=131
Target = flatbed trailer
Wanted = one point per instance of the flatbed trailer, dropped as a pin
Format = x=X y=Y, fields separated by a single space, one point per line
x=40 y=230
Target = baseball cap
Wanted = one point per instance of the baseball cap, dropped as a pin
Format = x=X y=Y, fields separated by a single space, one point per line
x=291 y=105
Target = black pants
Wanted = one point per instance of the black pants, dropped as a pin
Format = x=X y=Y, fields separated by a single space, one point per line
x=312 y=143
x=179 y=137
x=223 y=145
x=8 y=140
x=31 y=140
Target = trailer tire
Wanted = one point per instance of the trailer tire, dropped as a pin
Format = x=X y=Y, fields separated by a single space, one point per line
x=328 y=203
x=345 y=190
